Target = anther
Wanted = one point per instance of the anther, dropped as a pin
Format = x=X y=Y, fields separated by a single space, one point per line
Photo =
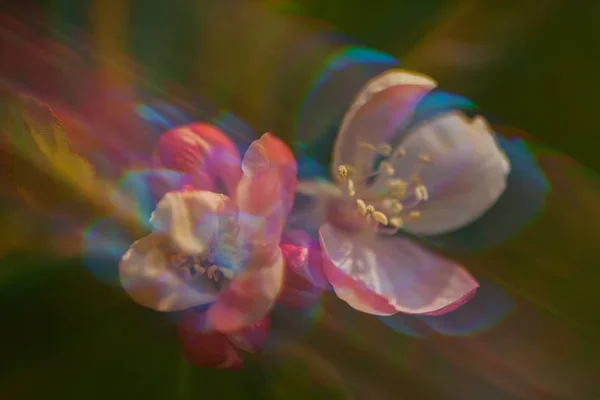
x=400 y=152
x=414 y=215
x=342 y=171
x=396 y=208
x=380 y=217
x=351 y=188
x=384 y=149
x=421 y=193
x=396 y=222
x=424 y=158
x=396 y=184
x=362 y=207
x=367 y=146
x=386 y=168
x=211 y=273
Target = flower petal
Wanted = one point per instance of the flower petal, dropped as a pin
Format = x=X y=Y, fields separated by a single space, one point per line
x=252 y=338
x=146 y=276
x=190 y=218
x=251 y=295
x=299 y=291
x=267 y=188
x=208 y=349
x=381 y=109
x=388 y=275
x=202 y=150
x=303 y=260
x=465 y=177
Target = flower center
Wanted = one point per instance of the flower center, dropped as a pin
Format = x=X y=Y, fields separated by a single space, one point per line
x=379 y=197
x=214 y=269
x=202 y=269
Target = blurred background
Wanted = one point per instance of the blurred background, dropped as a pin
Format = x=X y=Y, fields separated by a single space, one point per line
x=118 y=73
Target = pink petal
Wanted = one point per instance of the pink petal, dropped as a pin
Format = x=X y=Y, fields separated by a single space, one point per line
x=209 y=349
x=309 y=268
x=250 y=338
x=381 y=110
x=266 y=190
x=298 y=292
x=385 y=275
x=201 y=150
x=250 y=295
x=147 y=277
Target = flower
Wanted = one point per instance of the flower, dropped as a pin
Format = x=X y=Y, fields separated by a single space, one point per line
x=436 y=177
x=215 y=250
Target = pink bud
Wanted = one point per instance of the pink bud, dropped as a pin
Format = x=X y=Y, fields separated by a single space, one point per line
x=203 y=152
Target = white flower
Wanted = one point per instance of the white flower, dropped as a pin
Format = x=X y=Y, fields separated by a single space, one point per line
x=440 y=176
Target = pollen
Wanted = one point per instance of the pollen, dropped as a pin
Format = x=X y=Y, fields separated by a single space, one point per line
x=351 y=188
x=342 y=171
x=384 y=149
x=362 y=207
x=414 y=215
x=385 y=208
x=367 y=146
x=421 y=193
x=400 y=152
x=396 y=222
x=424 y=158
x=380 y=217
x=387 y=168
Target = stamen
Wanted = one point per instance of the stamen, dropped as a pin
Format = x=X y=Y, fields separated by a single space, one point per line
x=212 y=273
x=367 y=146
x=380 y=217
x=396 y=184
x=414 y=215
x=400 y=152
x=342 y=171
x=396 y=222
x=351 y=188
x=396 y=208
x=227 y=273
x=424 y=159
x=384 y=149
x=421 y=193
x=386 y=168
x=362 y=207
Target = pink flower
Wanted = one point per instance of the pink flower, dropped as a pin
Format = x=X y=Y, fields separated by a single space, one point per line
x=434 y=178
x=216 y=250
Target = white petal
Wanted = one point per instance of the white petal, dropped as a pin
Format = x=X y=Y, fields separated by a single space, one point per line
x=400 y=275
x=381 y=109
x=466 y=175
x=147 y=277
x=190 y=218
